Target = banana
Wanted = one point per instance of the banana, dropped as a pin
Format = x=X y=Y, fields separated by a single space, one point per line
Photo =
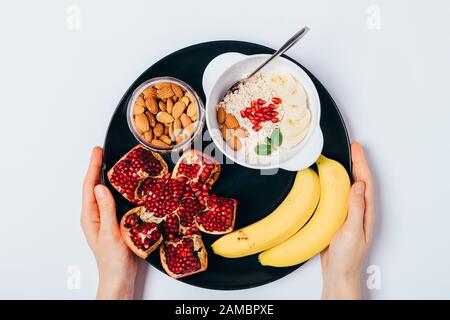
x=292 y=141
x=295 y=111
x=293 y=127
x=330 y=214
x=296 y=116
x=283 y=83
x=297 y=96
x=282 y=223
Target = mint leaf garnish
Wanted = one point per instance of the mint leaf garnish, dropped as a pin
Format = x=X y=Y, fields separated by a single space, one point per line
x=263 y=149
x=276 y=138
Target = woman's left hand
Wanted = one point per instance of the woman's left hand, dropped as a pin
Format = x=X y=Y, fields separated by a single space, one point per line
x=117 y=266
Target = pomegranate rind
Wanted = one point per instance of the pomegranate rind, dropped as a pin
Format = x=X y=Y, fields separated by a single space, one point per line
x=157 y=156
x=201 y=254
x=191 y=156
x=126 y=235
x=228 y=230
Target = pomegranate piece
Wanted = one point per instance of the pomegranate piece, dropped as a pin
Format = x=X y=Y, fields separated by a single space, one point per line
x=140 y=236
x=261 y=102
x=164 y=196
x=171 y=226
x=184 y=256
x=218 y=216
x=135 y=167
x=187 y=211
x=276 y=100
x=197 y=167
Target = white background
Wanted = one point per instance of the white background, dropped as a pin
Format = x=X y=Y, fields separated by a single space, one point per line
x=59 y=87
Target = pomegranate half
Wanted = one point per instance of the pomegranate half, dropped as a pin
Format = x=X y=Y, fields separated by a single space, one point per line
x=184 y=256
x=219 y=215
x=141 y=237
x=133 y=169
x=198 y=168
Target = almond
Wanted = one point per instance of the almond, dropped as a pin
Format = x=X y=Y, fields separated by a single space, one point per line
x=189 y=130
x=162 y=106
x=160 y=144
x=185 y=100
x=149 y=92
x=138 y=109
x=194 y=117
x=166 y=139
x=177 y=124
x=185 y=120
x=148 y=136
x=141 y=122
x=140 y=101
x=221 y=115
x=190 y=96
x=171 y=132
x=151 y=105
x=226 y=134
x=164 y=117
x=180 y=138
x=166 y=129
x=158 y=130
x=164 y=92
x=178 y=109
x=192 y=110
x=151 y=118
x=177 y=90
x=231 y=121
x=235 y=143
x=241 y=133
x=161 y=85
x=169 y=105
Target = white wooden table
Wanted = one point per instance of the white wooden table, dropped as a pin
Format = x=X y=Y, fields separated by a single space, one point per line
x=65 y=65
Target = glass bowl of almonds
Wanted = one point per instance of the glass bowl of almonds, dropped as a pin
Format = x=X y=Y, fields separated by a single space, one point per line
x=165 y=114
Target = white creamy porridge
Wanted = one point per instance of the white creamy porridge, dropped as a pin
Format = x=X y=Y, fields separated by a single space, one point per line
x=272 y=110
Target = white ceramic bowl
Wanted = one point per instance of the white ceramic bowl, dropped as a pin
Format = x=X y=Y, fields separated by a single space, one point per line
x=223 y=71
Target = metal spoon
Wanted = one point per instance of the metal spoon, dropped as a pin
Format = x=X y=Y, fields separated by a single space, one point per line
x=293 y=40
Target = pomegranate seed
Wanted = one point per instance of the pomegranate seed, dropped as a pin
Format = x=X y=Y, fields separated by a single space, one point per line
x=272 y=106
x=274 y=120
x=252 y=109
x=254 y=122
x=261 y=102
x=253 y=103
x=267 y=117
x=265 y=110
x=248 y=110
x=256 y=127
x=274 y=113
x=276 y=100
x=243 y=115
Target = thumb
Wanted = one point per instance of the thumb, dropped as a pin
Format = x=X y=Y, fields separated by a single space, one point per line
x=356 y=205
x=106 y=206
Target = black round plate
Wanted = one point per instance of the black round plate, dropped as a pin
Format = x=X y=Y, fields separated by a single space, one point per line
x=257 y=194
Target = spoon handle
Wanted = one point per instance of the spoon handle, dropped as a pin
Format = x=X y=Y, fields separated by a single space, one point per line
x=293 y=40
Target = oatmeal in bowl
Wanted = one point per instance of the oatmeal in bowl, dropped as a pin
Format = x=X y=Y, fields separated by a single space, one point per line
x=264 y=116
x=268 y=121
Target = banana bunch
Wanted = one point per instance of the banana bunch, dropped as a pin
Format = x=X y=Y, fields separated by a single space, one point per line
x=302 y=225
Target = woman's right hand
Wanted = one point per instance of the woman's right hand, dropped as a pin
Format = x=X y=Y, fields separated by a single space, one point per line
x=342 y=260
